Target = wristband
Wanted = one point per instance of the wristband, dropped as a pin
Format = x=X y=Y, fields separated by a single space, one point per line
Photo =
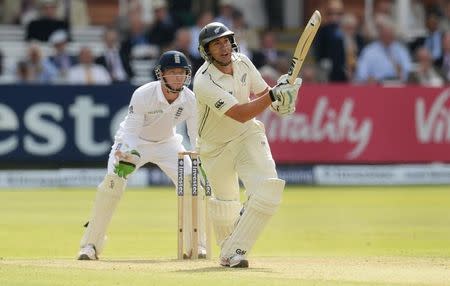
x=272 y=96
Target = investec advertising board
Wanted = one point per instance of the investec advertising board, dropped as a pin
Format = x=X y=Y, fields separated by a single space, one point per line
x=60 y=123
x=332 y=124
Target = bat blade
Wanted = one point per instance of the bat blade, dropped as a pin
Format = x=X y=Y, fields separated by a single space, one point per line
x=303 y=45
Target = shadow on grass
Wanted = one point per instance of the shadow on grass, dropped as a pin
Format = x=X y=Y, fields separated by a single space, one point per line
x=137 y=261
x=224 y=269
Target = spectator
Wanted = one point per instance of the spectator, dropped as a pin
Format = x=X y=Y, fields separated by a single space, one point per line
x=268 y=53
x=118 y=67
x=383 y=9
x=433 y=40
x=415 y=25
x=245 y=37
x=18 y=12
x=424 y=73
x=353 y=43
x=39 y=70
x=47 y=23
x=182 y=44
x=203 y=19
x=164 y=27
x=225 y=15
x=443 y=63
x=329 y=44
x=23 y=73
x=310 y=74
x=61 y=59
x=87 y=72
x=385 y=59
x=271 y=73
x=137 y=42
x=444 y=24
x=1 y=62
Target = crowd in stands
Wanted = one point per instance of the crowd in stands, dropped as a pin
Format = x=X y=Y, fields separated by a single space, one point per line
x=347 y=49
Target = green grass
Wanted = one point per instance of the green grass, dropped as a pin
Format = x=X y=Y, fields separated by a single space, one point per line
x=320 y=236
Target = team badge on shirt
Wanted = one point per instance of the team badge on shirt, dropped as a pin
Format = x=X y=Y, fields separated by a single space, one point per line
x=130 y=109
x=178 y=113
x=219 y=103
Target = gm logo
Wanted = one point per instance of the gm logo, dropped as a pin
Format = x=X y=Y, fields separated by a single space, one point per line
x=219 y=103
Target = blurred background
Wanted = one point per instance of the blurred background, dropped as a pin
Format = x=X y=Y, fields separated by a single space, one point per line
x=374 y=107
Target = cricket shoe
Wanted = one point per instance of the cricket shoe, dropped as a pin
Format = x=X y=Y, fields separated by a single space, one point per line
x=88 y=252
x=235 y=261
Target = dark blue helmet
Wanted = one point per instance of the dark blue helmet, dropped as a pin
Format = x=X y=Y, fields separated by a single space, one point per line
x=211 y=32
x=173 y=59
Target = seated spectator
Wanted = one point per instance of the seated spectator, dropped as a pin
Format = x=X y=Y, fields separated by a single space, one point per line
x=272 y=72
x=246 y=37
x=268 y=53
x=164 y=27
x=443 y=63
x=225 y=16
x=137 y=43
x=353 y=43
x=424 y=73
x=119 y=69
x=310 y=74
x=182 y=43
x=203 y=19
x=1 y=62
x=23 y=73
x=39 y=70
x=18 y=12
x=47 y=23
x=385 y=59
x=87 y=72
x=329 y=43
x=61 y=59
x=382 y=9
x=433 y=40
x=444 y=24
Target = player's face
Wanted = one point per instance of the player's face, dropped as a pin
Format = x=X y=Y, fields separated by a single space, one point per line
x=220 y=49
x=175 y=77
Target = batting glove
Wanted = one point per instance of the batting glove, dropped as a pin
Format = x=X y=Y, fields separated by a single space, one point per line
x=126 y=162
x=284 y=95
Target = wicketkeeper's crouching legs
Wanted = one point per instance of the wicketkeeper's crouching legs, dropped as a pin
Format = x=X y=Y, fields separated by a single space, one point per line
x=109 y=192
x=259 y=208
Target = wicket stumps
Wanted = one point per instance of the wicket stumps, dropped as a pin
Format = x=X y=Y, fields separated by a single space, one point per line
x=194 y=190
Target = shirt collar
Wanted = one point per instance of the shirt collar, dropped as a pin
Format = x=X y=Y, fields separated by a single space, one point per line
x=162 y=99
x=216 y=73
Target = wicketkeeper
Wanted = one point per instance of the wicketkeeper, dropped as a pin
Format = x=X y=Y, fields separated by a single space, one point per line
x=148 y=135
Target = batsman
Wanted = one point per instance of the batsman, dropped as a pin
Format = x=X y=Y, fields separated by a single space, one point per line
x=147 y=134
x=233 y=144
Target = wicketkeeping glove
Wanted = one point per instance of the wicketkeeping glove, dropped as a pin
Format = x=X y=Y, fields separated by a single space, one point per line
x=126 y=162
x=285 y=95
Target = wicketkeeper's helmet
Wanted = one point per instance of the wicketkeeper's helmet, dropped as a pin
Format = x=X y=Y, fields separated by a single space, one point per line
x=173 y=59
x=211 y=32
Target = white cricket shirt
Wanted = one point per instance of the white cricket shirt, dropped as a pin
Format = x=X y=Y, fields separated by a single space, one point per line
x=151 y=118
x=217 y=92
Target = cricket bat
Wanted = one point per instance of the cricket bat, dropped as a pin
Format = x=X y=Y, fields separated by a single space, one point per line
x=303 y=45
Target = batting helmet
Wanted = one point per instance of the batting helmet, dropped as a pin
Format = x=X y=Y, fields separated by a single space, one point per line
x=173 y=59
x=211 y=32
